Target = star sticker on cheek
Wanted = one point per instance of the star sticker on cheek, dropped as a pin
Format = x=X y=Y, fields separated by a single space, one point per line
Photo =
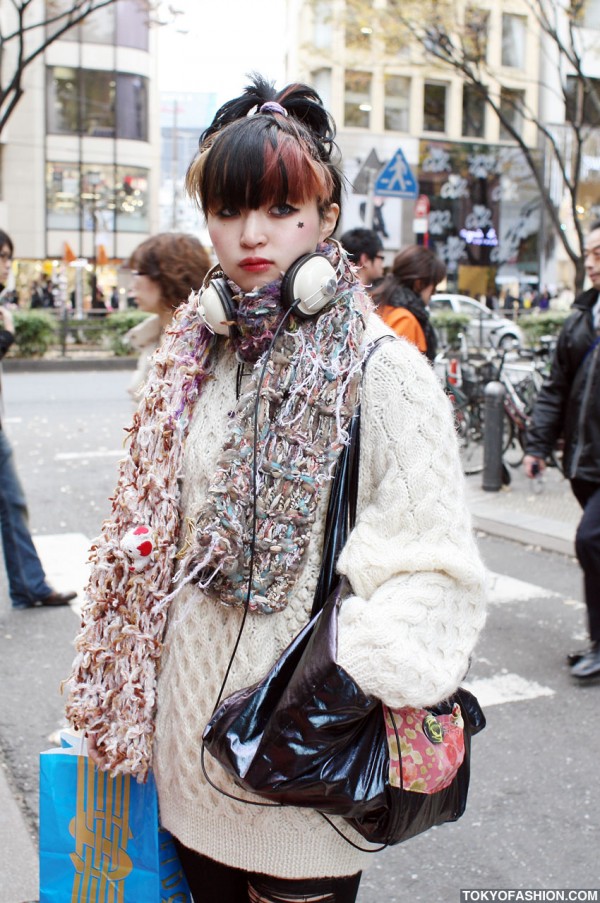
x=301 y=225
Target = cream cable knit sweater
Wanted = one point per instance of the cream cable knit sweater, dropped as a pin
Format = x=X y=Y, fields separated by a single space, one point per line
x=406 y=636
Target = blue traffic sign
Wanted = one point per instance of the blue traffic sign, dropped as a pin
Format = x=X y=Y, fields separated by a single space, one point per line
x=396 y=179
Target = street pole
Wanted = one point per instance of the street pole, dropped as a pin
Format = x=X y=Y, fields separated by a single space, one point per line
x=94 y=279
x=370 y=209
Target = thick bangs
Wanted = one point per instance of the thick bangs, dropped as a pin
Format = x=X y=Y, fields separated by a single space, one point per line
x=256 y=162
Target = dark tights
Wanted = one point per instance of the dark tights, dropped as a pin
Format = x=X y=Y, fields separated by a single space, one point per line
x=212 y=882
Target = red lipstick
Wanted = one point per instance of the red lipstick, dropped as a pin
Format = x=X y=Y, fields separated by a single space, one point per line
x=255 y=264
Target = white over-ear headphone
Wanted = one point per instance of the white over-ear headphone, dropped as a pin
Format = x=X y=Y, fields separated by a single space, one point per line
x=308 y=286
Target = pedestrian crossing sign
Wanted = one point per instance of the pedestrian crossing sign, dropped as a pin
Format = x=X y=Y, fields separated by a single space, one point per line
x=396 y=179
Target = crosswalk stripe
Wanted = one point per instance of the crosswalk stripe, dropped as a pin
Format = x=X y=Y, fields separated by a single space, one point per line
x=506 y=687
x=64 y=558
x=84 y=455
x=65 y=555
x=503 y=589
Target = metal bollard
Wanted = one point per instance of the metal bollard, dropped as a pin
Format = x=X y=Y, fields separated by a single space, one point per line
x=492 y=440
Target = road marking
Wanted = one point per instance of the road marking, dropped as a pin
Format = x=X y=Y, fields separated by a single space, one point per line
x=76 y=456
x=507 y=687
x=503 y=589
x=64 y=558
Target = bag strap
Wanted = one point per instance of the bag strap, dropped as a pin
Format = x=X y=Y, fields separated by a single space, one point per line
x=341 y=512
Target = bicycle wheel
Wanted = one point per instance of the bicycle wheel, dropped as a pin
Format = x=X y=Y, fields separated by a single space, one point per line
x=470 y=437
x=512 y=448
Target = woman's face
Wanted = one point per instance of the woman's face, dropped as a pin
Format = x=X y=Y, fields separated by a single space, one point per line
x=426 y=293
x=5 y=264
x=254 y=247
x=147 y=294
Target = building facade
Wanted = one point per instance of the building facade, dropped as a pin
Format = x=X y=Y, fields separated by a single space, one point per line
x=388 y=96
x=80 y=153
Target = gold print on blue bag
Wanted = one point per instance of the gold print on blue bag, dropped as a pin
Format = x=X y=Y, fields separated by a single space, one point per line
x=101 y=831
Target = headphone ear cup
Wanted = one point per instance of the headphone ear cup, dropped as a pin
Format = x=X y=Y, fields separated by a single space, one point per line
x=216 y=307
x=309 y=285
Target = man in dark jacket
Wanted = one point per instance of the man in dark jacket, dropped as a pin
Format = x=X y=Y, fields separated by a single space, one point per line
x=569 y=405
x=27 y=582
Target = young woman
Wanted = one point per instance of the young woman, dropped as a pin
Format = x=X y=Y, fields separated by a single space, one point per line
x=166 y=268
x=157 y=640
x=405 y=293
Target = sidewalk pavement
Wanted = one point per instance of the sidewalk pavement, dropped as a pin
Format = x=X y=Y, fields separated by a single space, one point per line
x=543 y=515
x=540 y=513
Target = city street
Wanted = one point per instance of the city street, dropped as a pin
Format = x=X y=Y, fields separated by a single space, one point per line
x=533 y=818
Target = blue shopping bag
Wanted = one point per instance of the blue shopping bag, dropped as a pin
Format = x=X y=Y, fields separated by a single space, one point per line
x=100 y=838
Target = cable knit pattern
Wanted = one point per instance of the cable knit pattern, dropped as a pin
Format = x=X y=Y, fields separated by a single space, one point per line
x=406 y=636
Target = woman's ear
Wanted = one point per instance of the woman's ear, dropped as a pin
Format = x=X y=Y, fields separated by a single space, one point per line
x=329 y=221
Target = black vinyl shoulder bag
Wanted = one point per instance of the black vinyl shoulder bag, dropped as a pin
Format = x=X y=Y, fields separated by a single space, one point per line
x=306 y=735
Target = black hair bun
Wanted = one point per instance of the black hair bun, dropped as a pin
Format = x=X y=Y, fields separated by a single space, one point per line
x=301 y=102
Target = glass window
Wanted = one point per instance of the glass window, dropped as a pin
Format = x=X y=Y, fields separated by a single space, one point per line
x=473 y=112
x=131 y=199
x=87 y=101
x=440 y=304
x=357 y=99
x=591 y=13
x=320 y=79
x=62 y=100
x=62 y=196
x=358 y=25
x=475 y=36
x=473 y=310
x=582 y=108
x=511 y=107
x=99 y=26
x=322 y=34
x=133 y=22
x=434 y=107
x=514 y=33
x=76 y=198
x=97 y=197
x=98 y=103
x=125 y=23
x=132 y=107
x=397 y=93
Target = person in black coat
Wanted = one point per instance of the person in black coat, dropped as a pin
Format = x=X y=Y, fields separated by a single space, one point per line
x=568 y=405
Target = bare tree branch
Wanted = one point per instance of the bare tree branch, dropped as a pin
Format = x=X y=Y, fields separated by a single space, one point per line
x=450 y=33
x=27 y=38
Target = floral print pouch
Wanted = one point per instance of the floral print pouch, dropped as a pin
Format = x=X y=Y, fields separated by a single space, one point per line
x=432 y=748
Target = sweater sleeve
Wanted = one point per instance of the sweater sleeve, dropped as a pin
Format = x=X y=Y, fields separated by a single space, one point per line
x=407 y=635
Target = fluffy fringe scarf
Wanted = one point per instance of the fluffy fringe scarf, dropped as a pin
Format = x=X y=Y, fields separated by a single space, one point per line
x=306 y=400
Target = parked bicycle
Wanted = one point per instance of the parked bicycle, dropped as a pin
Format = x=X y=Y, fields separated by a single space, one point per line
x=465 y=382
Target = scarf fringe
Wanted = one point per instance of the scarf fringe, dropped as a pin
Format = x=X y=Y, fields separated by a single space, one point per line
x=309 y=394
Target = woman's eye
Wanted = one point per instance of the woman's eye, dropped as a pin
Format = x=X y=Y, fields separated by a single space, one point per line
x=283 y=210
x=227 y=212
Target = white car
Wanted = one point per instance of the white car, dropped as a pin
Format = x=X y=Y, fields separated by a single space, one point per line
x=487 y=327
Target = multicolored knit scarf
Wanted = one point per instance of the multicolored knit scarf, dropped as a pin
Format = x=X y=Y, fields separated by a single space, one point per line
x=306 y=399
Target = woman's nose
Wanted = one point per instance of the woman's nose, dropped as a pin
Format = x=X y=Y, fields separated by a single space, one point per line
x=253 y=233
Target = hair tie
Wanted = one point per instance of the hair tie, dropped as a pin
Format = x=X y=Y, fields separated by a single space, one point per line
x=271 y=106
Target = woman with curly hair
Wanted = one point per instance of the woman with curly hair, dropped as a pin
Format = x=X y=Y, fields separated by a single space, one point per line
x=256 y=392
x=166 y=268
